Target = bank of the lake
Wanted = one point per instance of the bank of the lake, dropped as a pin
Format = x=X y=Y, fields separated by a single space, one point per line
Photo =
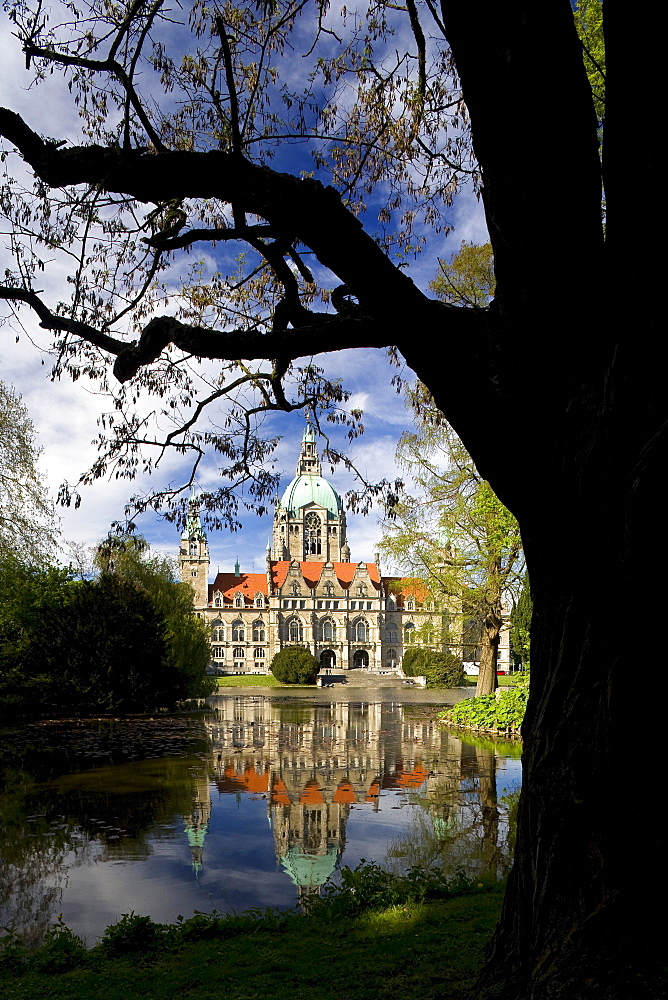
x=417 y=951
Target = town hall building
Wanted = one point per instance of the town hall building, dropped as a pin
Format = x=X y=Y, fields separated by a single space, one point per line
x=311 y=593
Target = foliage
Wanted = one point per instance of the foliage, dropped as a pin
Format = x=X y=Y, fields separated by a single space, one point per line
x=27 y=523
x=468 y=280
x=133 y=935
x=520 y=625
x=62 y=950
x=501 y=712
x=380 y=126
x=589 y=24
x=370 y=887
x=295 y=665
x=128 y=558
x=440 y=669
x=92 y=646
x=454 y=533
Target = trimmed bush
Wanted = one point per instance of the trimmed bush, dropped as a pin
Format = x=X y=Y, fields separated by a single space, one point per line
x=295 y=665
x=440 y=669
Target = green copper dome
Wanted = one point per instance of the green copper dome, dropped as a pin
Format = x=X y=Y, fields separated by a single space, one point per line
x=311 y=489
x=310 y=869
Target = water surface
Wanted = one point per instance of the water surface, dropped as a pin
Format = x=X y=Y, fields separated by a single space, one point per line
x=255 y=802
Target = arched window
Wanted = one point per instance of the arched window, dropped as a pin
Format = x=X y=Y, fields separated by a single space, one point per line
x=259 y=600
x=193 y=546
x=391 y=655
x=391 y=635
x=410 y=604
x=217 y=631
x=218 y=653
x=239 y=652
x=392 y=602
x=258 y=631
x=218 y=601
x=312 y=535
x=409 y=634
x=258 y=653
x=238 y=599
x=295 y=630
x=428 y=637
x=361 y=630
x=193 y=572
x=238 y=631
x=328 y=631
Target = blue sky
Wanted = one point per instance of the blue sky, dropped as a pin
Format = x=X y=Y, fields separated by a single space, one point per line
x=65 y=413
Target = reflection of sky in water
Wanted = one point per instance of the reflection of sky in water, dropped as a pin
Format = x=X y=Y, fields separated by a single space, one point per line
x=331 y=784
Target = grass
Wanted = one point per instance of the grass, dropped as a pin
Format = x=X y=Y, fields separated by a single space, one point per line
x=505 y=680
x=256 y=680
x=415 y=950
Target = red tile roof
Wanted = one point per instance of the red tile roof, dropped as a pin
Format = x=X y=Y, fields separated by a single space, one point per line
x=312 y=571
x=228 y=584
x=248 y=583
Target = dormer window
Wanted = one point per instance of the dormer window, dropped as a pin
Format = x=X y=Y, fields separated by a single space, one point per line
x=259 y=600
x=410 y=605
x=238 y=599
x=217 y=599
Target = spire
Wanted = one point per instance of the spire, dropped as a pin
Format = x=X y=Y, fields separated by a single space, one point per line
x=309 y=464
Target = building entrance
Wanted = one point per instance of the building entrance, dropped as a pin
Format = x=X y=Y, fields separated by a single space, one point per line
x=328 y=659
x=361 y=658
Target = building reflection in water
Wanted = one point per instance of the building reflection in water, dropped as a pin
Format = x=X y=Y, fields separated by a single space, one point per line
x=313 y=763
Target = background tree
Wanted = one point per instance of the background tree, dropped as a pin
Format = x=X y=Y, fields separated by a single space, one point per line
x=572 y=368
x=520 y=625
x=468 y=280
x=455 y=533
x=295 y=665
x=128 y=558
x=27 y=521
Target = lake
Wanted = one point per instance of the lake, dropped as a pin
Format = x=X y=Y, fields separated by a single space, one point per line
x=256 y=801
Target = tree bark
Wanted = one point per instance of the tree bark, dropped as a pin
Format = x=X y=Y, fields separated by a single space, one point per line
x=489 y=648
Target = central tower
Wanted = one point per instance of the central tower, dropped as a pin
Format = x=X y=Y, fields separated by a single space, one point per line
x=309 y=521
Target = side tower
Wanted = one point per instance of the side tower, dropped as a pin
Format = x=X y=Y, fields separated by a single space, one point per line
x=309 y=521
x=194 y=555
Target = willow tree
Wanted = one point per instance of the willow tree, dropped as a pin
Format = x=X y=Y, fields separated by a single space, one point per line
x=182 y=114
x=454 y=533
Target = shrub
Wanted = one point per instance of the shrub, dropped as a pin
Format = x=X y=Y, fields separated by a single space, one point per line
x=413 y=661
x=440 y=669
x=444 y=670
x=133 y=935
x=295 y=665
x=492 y=712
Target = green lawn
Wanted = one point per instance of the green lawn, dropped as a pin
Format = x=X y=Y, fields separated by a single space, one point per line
x=416 y=951
x=255 y=680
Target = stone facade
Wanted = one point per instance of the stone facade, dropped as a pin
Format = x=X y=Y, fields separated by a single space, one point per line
x=311 y=594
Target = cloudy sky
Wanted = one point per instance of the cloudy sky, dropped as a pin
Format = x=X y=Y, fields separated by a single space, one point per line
x=65 y=414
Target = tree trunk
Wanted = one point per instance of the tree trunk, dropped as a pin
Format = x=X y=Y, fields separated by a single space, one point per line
x=489 y=648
